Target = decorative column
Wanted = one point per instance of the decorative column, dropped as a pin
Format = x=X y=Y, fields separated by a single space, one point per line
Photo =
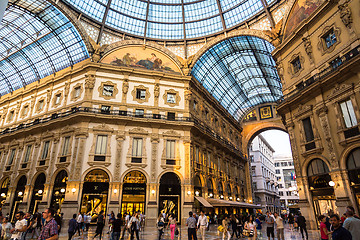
x=89 y=86
x=152 y=187
x=125 y=89
x=188 y=176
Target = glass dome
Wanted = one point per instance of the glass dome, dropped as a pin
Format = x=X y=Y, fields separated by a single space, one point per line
x=169 y=19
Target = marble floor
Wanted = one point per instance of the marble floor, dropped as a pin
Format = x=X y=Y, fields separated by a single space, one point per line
x=150 y=233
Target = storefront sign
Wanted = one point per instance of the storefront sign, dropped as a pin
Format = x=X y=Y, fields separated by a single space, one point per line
x=134 y=188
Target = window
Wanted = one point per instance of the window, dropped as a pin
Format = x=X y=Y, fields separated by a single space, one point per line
x=26 y=110
x=309 y=135
x=197 y=154
x=278 y=178
x=45 y=151
x=281 y=193
x=336 y=62
x=291 y=163
x=77 y=92
x=252 y=158
x=65 y=148
x=101 y=143
x=41 y=105
x=57 y=99
x=330 y=38
x=277 y=171
x=137 y=150
x=139 y=112
x=195 y=105
x=11 y=116
x=27 y=154
x=105 y=109
x=277 y=164
x=170 y=152
x=108 y=90
x=140 y=94
x=296 y=64
x=171 y=116
x=284 y=164
x=348 y=113
x=288 y=193
x=12 y=156
x=171 y=98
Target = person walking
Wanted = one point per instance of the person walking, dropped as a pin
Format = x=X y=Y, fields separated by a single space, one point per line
x=191 y=224
x=100 y=224
x=202 y=224
x=50 y=228
x=301 y=221
x=324 y=233
x=291 y=221
x=269 y=220
x=160 y=223
x=134 y=226
x=225 y=224
x=72 y=227
x=234 y=225
x=80 y=221
x=5 y=229
x=339 y=233
x=20 y=226
x=258 y=225
x=116 y=227
x=279 y=226
x=172 y=225
x=351 y=223
x=250 y=226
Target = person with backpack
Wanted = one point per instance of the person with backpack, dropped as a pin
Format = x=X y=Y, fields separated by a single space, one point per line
x=160 y=223
x=72 y=227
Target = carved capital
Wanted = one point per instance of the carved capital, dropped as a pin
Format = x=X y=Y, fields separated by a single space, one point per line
x=89 y=81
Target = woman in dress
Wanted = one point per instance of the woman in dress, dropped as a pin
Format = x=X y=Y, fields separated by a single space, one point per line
x=160 y=223
x=250 y=225
x=172 y=224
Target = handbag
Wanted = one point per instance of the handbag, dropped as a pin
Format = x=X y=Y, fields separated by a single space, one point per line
x=176 y=231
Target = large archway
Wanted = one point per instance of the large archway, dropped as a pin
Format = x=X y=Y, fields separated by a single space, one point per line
x=95 y=192
x=170 y=194
x=37 y=193
x=18 y=197
x=3 y=191
x=353 y=167
x=59 y=190
x=133 y=193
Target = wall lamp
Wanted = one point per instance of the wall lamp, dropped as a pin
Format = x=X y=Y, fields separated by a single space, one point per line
x=115 y=191
x=73 y=190
x=153 y=191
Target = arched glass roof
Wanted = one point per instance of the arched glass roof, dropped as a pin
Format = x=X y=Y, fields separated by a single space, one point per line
x=36 y=40
x=240 y=73
x=169 y=19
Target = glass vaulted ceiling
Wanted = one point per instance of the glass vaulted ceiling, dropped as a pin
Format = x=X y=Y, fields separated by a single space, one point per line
x=36 y=40
x=240 y=73
x=169 y=19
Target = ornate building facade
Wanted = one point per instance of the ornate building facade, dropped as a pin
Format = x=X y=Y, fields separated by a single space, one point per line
x=318 y=61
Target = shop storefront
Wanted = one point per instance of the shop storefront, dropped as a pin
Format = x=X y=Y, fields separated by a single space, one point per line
x=170 y=194
x=133 y=193
x=59 y=189
x=95 y=193
x=18 y=197
x=353 y=166
x=3 y=191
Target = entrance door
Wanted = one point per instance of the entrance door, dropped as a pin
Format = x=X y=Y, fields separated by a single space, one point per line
x=133 y=193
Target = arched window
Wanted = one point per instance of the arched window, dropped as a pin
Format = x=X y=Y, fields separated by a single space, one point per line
x=317 y=167
x=135 y=177
x=353 y=160
x=97 y=176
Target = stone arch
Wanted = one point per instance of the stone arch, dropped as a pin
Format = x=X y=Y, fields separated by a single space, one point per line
x=220 y=38
x=202 y=179
x=117 y=45
x=256 y=130
x=135 y=169
x=344 y=155
x=307 y=161
x=181 y=178
x=33 y=179
x=97 y=168
x=54 y=175
x=75 y=21
x=16 y=180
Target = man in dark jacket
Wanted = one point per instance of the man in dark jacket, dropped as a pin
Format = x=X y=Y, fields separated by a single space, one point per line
x=72 y=227
x=339 y=232
x=301 y=221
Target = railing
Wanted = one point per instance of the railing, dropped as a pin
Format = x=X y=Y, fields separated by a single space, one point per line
x=76 y=110
x=321 y=75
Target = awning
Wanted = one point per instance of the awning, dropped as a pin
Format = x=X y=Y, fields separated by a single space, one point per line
x=225 y=203
x=203 y=202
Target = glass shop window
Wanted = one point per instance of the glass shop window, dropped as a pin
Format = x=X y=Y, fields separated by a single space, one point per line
x=348 y=113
